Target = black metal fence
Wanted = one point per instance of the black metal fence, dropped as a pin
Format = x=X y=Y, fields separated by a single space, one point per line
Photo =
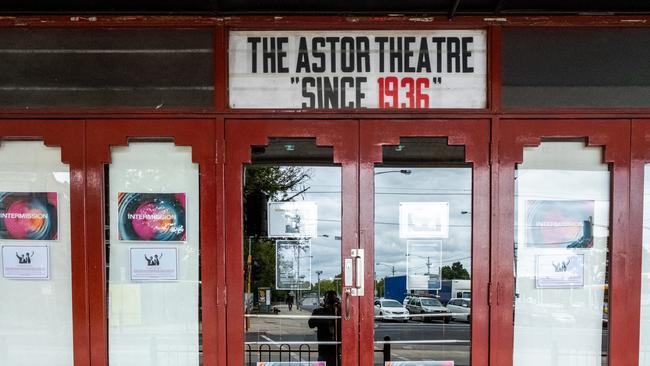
x=284 y=352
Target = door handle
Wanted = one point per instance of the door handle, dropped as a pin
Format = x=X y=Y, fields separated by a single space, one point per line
x=347 y=303
x=358 y=255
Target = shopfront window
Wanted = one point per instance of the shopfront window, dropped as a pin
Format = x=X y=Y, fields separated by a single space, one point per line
x=423 y=243
x=644 y=341
x=35 y=286
x=292 y=253
x=153 y=256
x=562 y=208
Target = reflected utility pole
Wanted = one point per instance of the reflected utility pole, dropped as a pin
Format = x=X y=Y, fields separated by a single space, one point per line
x=318 y=273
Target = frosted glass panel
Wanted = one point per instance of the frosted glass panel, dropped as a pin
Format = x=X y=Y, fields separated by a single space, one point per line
x=561 y=236
x=35 y=286
x=154 y=256
x=644 y=355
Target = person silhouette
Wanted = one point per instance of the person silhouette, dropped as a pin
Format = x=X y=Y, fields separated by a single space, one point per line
x=156 y=259
x=149 y=260
x=21 y=258
x=28 y=259
x=327 y=321
x=289 y=300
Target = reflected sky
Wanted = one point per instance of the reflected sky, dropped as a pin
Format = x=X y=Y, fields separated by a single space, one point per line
x=453 y=185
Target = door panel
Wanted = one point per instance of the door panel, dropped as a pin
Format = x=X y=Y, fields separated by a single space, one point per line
x=43 y=253
x=562 y=200
x=153 y=228
x=438 y=170
x=292 y=204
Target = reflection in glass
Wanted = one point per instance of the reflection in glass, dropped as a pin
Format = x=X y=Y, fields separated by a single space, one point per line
x=292 y=253
x=561 y=263
x=423 y=204
x=153 y=256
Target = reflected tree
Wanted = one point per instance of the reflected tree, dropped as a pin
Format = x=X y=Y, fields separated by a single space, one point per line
x=455 y=272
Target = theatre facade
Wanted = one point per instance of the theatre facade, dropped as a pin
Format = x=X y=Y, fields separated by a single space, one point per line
x=325 y=190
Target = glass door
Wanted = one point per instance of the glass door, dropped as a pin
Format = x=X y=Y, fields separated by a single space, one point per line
x=293 y=265
x=424 y=219
x=560 y=215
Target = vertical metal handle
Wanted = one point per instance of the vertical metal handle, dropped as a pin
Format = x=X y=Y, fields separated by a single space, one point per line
x=347 y=304
x=360 y=271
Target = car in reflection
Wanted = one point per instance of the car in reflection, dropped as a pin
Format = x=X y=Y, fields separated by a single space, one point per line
x=460 y=309
x=388 y=309
x=428 y=309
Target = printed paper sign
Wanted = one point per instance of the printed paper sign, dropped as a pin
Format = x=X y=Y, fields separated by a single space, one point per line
x=423 y=264
x=560 y=271
x=293 y=363
x=292 y=219
x=385 y=69
x=419 y=363
x=293 y=265
x=423 y=220
x=25 y=262
x=152 y=216
x=559 y=224
x=154 y=264
x=28 y=216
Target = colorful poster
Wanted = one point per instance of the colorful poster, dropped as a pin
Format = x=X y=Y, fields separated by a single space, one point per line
x=292 y=219
x=26 y=262
x=423 y=220
x=293 y=265
x=419 y=363
x=560 y=271
x=28 y=216
x=293 y=363
x=423 y=264
x=152 y=216
x=154 y=264
x=559 y=224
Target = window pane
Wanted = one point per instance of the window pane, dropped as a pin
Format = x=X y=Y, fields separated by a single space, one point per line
x=100 y=67
x=292 y=247
x=577 y=67
x=153 y=252
x=423 y=241
x=562 y=192
x=36 y=292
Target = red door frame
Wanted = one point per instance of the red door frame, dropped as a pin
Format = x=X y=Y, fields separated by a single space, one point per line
x=512 y=137
x=241 y=136
x=200 y=135
x=67 y=135
x=640 y=157
x=475 y=136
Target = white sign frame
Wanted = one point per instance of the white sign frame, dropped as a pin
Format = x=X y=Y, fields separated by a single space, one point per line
x=148 y=272
x=295 y=264
x=548 y=276
x=414 y=216
x=30 y=271
x=292 y=219
x=414 y=282
x=352 y=71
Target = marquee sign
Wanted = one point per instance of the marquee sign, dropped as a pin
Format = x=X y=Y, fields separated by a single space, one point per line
x=358 y=69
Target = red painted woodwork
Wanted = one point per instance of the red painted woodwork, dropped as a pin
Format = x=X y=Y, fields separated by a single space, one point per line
x=474 y=136
x=512 y=137
x=69 y=136
x=241 y=136
x=639 y=158
x=202 y=136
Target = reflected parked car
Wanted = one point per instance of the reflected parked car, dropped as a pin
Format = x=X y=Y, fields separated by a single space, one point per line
x=387 y=309
x=429 y=309
x=460 y=309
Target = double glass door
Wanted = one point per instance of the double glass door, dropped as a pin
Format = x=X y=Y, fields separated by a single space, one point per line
x=356 y=242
